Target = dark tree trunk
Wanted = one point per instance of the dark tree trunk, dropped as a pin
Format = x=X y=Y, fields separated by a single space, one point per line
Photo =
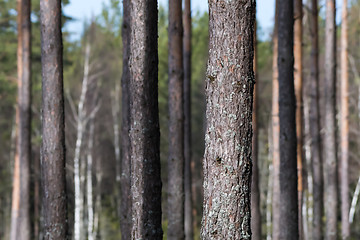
x=125 y=128
x=144 y=121
x=229 y=96
x=314 y=115
x=329 y=123
x=275 y=133
x=176 y=124
x=20 y=215
x=54 y=203
x=255 y=191
x=189 y=234
x=287 y=106
x=298 y=82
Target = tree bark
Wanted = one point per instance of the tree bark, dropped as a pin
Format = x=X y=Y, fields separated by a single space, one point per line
x=189 y=233
x=255 y=191
x=229 y=95
x=144 y=118
x=20 y=214
x=54 y=203
x=275 y=133
x=314 y=126
x=287 y=116
x=176 y=124
x=125 y=185
x=344 y=125
x=298 y=78
x=329 y=122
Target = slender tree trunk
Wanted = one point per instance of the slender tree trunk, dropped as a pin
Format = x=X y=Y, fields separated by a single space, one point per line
x=176 y=124
x=125 y=128
x=287 y=115
x=90 y=228
x=115 y=109
x=275 y=134
x=269 y=194
x=228 y=140
x=344 y=126
x=144 y=116
x=314 y=129
x=329 y=138
x=255 y=191
x=54 y=203
x=80 y=129
x=189 y=233
x=20 y=214
x=298 y=29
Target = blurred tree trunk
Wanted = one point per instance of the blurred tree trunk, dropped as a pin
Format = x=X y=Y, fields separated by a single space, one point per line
x=125 y=128
x=329 y=123
x=54 y=203
x=144 y=120
x=81 y=122
x=314 y=126
x=255 y=191
x=344 y=125
x=20 y=215
x=275 y=133
x=228 y=140
x=189 y=233
x=89 y=184
x=176 y=124
x=298 y=78
x=287 y=117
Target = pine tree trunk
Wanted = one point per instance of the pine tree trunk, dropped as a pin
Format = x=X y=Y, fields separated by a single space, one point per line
x=298 y=15
x=287 y=117
x=20 y=214
x=176 y=124
x=54 y=203
x=329 y=123
x=344 y=127
x=229 y=95
x=314 y=129
x=125 y=220
x=255 y=191
x=189 y=234
x=144 y=121
x=275 y=134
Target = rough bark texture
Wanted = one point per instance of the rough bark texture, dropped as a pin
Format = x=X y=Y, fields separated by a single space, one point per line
x=255 y=191
x=287 y=106
x=344 y=126
x=176 y=124
x=314 y=115
x=144 y=118
x=275 y=134
x=329 y=123
x=125 y=128
x=189 y=233
x=54 y=204
x=229 y=97
x=20 y=214
x=298 y=15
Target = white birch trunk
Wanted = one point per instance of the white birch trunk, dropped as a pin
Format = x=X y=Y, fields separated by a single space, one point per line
x=79 y=204
x=354 y=202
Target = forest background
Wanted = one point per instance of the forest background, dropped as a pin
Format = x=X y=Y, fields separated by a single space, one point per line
x=102 y=31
